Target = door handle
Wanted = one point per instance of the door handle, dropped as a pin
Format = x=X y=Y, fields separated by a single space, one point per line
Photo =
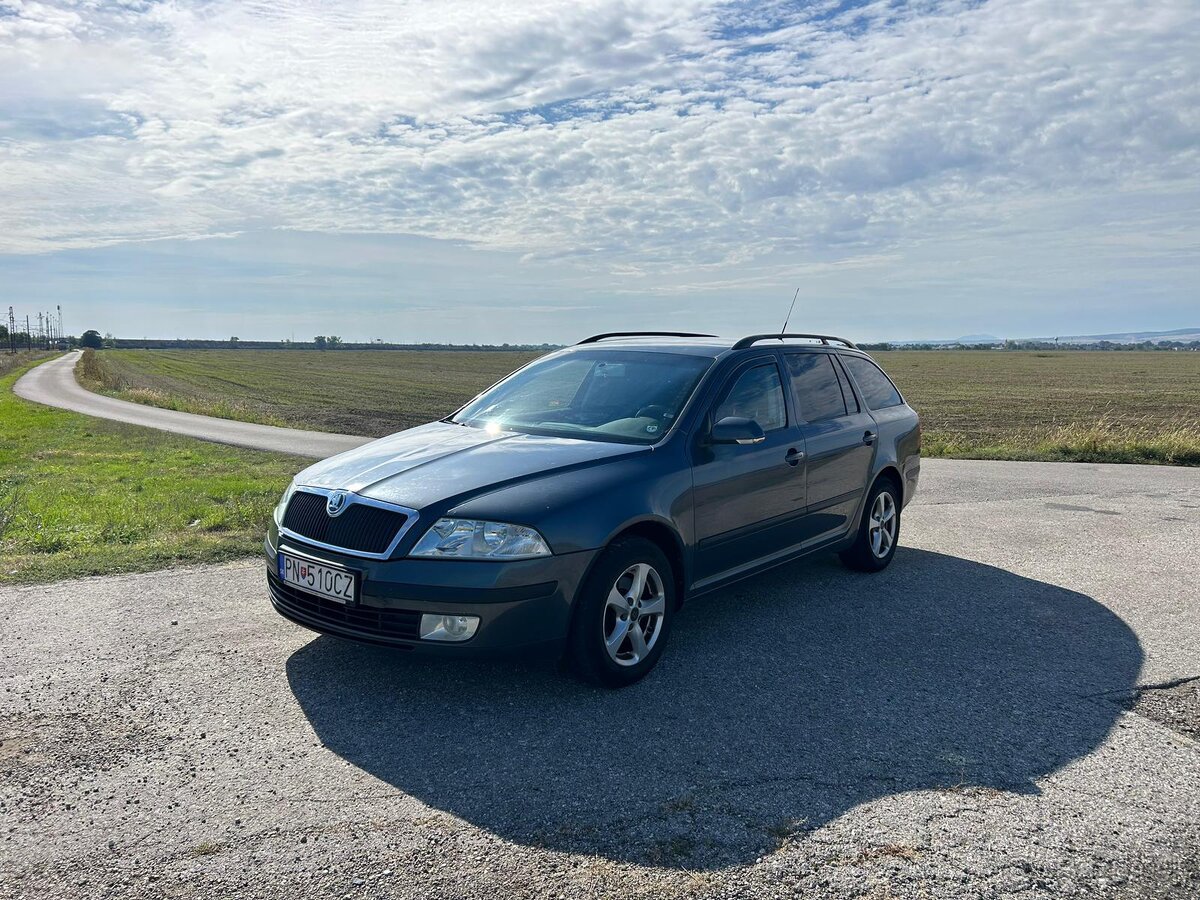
x=869 y=437
x=794 y=457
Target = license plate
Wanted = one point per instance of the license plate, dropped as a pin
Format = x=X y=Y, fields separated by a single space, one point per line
x=325 y=581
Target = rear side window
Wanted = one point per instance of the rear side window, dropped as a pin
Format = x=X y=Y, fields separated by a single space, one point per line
x=815 y=383
x=877 y=389
x=757 y=395
x=847 y=391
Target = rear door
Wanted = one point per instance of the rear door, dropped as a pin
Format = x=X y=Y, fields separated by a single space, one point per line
x=839 y=436
x=749 y=499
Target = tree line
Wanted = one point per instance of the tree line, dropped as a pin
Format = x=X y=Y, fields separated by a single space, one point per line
x=17 y=340
x=1038 y=345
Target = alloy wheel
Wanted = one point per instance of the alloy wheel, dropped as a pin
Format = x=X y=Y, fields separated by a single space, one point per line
x=633 y=614
x=882 y=527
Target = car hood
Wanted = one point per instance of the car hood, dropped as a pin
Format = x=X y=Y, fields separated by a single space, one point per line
x=438 y=462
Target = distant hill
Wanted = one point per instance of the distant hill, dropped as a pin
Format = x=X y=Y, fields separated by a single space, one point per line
x=965 y=340
x=1182 y=335
x=1127 y=337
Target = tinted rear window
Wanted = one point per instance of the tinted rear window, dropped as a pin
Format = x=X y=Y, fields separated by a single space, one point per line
x=847 y=391
x=815 y=383
x=876 y=388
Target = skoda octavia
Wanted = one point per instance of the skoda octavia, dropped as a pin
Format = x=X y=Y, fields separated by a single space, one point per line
x=577 y=504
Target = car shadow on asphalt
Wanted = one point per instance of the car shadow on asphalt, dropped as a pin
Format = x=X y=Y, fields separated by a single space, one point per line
x=779 y=705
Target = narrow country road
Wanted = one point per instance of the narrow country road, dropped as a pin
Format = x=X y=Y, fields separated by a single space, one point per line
x=54 y=384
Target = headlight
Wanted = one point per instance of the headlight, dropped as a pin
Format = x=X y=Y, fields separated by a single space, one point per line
x=281 y=506
x=472 y=539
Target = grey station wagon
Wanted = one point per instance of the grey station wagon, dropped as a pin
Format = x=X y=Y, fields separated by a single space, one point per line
x=575 y=505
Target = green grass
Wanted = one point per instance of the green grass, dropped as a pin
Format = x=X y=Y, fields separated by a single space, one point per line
x=80 y=496
x=1140 y=407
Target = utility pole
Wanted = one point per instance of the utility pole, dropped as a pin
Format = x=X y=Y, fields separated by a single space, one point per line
x=12 y=331
x=28 y=333
x=60 y=328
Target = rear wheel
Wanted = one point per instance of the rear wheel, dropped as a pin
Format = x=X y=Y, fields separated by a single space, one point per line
x=623 y=614
x=879 y=531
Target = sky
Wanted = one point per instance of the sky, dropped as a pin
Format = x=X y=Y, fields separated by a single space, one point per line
x=487 y=172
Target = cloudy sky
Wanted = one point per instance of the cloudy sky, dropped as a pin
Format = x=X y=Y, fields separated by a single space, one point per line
x=532 y=171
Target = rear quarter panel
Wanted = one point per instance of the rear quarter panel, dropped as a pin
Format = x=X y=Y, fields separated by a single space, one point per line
x=899 y=445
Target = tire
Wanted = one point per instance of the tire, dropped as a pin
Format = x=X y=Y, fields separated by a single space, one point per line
x=874 y=547
x=601 y=620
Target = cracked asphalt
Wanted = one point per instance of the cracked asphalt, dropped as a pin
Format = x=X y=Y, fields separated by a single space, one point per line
x=981 y=720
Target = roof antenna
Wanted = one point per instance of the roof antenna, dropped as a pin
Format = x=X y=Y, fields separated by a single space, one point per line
x=790 y=308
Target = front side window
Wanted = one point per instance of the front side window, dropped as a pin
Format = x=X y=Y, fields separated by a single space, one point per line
x=815 y=382
x=604 y=395
x=877 y=389
x=757 y=395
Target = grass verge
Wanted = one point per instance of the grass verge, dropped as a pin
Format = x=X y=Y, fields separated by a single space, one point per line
x=1103 y=441
x=10 y=362
x=81 y=496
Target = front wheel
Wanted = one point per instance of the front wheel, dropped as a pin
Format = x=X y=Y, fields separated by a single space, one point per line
x=623 y=614
x=878 y=533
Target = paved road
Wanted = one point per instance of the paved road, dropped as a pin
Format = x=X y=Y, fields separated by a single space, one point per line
x=965 y=724
x=54 y=384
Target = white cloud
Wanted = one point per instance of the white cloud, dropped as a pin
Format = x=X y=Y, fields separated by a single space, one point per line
x=631 y=137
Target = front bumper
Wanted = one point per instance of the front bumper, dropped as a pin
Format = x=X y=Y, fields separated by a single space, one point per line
x=524 y=606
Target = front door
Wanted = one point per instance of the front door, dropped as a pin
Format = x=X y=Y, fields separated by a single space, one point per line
x=840 y=440
x=748 y=497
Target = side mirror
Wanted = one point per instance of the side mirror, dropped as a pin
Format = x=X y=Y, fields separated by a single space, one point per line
x=737 y=430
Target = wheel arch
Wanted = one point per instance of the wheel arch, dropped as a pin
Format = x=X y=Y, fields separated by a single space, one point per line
x=891 y=473
x=662 y=535
x=887 y=472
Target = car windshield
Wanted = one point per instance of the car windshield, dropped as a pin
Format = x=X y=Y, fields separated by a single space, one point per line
x=604 y=395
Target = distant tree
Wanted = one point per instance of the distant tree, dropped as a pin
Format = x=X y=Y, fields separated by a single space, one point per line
x=334 y=341
x=91 y=338
x=233 y=342
x=321 y=341
x=3 y=332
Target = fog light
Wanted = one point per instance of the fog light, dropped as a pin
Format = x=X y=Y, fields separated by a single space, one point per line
x=448 y=628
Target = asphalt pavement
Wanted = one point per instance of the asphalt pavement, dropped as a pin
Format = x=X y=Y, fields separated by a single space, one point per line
x=983 y=719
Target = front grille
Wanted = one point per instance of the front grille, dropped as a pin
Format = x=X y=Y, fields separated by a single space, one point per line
x=399 y=624
x=360 y=528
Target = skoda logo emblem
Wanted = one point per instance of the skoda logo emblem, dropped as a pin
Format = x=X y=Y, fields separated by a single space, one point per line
x=336 y=504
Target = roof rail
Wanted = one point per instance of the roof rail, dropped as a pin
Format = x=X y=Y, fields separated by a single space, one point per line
x=618 y=334
x=753 y=339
